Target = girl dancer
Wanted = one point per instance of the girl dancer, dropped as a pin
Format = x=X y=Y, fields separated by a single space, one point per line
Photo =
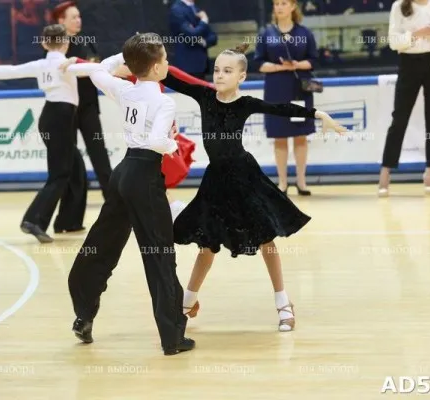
x=237 y=205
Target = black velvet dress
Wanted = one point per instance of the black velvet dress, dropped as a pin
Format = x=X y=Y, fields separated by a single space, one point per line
x=236 y=205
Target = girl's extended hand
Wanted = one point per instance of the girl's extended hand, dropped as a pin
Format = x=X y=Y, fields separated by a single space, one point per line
x=329 y=123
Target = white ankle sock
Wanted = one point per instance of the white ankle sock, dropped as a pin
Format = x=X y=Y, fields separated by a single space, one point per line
x=176 y=208
x=190 y=299
x=177 y=203
x=281 y=300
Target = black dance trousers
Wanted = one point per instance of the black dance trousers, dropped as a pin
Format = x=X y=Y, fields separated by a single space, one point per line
x=64 y=163
x=137 y=200
x=88 y=122
x=414 y=73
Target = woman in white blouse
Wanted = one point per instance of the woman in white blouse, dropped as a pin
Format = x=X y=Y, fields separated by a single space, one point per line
x=409 y=34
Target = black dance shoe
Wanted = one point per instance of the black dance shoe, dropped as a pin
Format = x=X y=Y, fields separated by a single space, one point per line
x=37 y=231
x=184 y=345
x=83 y=330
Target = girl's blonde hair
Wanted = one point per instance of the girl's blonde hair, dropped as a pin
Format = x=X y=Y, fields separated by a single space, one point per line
x=297 y=16
x=239 y=51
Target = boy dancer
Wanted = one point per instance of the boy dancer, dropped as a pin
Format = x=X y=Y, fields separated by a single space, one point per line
x=136 y=198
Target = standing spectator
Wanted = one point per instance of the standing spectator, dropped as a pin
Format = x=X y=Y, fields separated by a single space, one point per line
x=88 y=120
x=193 y=37
x=281 y=84
x=28 y=20
x=409 y=33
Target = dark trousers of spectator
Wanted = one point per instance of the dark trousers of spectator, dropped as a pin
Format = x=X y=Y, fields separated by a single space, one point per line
x=414 y=73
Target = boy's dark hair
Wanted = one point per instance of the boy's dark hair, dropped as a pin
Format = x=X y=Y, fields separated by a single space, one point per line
x=406 y=8
x=142 y=51
x=54 y=36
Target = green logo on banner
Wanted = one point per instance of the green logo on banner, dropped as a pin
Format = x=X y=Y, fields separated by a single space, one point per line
x=7 y=137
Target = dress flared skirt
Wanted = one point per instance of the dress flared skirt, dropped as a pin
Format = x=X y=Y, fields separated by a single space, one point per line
x=239 y=207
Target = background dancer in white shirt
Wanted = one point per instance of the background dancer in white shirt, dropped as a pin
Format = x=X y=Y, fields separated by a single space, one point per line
x=55 y=126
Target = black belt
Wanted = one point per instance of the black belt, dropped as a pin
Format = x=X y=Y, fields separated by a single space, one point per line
x=144 y=154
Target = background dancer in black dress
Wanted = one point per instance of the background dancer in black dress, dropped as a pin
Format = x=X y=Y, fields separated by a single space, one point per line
x=237 y=205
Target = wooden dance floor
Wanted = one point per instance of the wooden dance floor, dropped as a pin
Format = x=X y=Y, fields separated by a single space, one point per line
x=358 y=274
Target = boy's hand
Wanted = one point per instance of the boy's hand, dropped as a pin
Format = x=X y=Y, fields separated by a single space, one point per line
x=174 y=132
x=122 y=72
x=70 y=61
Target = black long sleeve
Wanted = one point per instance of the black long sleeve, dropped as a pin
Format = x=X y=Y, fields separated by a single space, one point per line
x=188 y=89
x=258 y=106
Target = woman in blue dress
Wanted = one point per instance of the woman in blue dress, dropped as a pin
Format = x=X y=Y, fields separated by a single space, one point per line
x=281 y=84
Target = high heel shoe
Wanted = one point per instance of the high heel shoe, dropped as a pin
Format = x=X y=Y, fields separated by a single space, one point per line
x=384 y=182
x=302 y=192
x=383 y=192
x=426 y=187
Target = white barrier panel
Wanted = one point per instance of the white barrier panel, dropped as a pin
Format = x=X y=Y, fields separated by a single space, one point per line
x=363 y=104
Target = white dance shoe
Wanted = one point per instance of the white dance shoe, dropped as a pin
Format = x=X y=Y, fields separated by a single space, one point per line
x=287 y=324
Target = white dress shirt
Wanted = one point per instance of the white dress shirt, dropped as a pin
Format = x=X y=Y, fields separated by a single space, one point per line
x=57 y=85
x=401 y=28
x=147 y=113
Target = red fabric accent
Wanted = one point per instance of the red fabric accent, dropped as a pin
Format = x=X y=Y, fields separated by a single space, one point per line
x=183 y=76
x=179 y=74
x=176 y=168
x=81 y=61
x=132 y=78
